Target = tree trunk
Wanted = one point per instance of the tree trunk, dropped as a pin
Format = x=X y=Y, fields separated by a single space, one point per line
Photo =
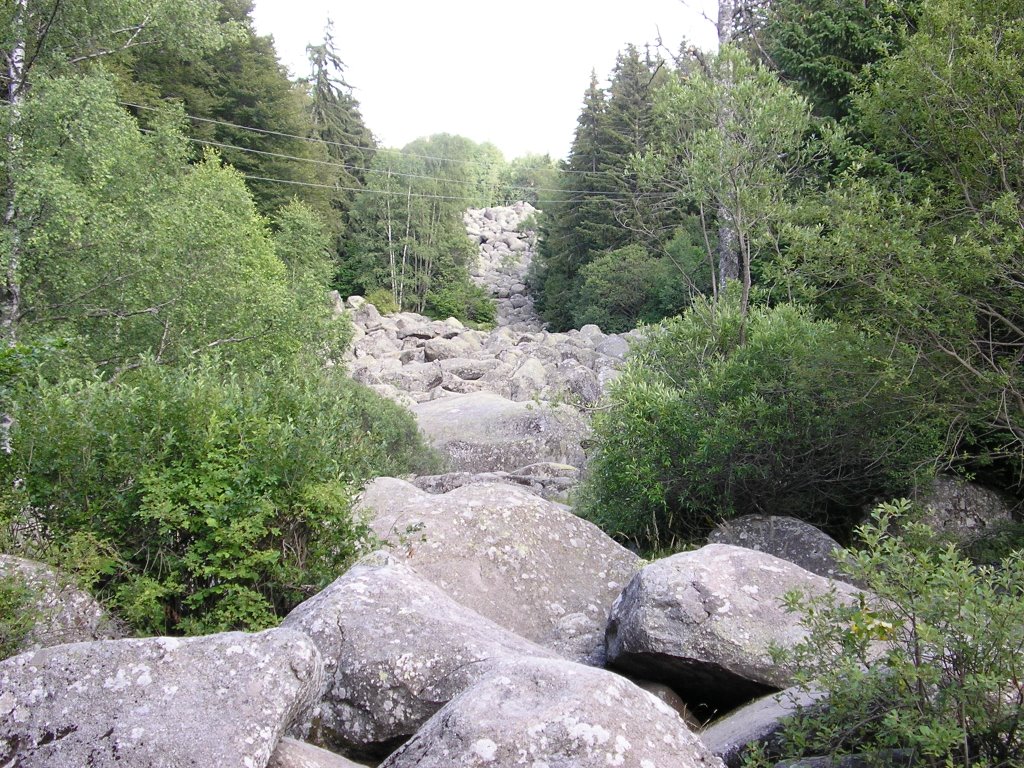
x=728 y=242
x=10 y=292
x=10 y=297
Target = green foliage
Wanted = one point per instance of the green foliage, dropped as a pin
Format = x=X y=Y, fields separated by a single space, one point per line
x=16 y=615
x=56 y=36
x=827 y=47
x=407 y=231
x=131 y=251
x=531 y=178
x=600 y=206
x=626 y=287
x=928 y=659
x=805 y=418
x=223 y=499
x=465 y=300
x=731 y=144
x=382 y=299
x=236 y=87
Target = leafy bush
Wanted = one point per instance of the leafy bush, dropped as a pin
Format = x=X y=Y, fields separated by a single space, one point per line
x=16 y=615
x=626 y=287
x=222 y=500
x=463 y=300
x=382 y=299
x=930 y=660
x=803 y=417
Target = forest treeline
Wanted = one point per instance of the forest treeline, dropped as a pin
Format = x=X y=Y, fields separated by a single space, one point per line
x=833 y=203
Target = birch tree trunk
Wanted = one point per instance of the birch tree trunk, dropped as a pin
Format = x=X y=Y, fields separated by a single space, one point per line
x=728 y=240
x=10 y=293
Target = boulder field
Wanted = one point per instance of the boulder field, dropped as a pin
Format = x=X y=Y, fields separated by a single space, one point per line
x=493 y=627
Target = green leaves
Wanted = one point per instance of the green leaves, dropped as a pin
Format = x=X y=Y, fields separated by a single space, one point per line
x=804 y=418
x=928 y=660
x=224 y=497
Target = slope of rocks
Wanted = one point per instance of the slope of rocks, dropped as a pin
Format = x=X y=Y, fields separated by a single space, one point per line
x=477 y=638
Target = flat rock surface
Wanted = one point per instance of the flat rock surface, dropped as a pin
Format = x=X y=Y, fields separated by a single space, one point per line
x=484 y=432
x=220 y=701
x=396 y=649
x=528 y=564
x=538 y=712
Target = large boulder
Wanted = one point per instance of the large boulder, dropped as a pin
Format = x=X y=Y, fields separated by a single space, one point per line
x=705 y=622
x=785 y=537
x=483 y=432
x=396 y=649
x=539 y=712
x=59 y=610
x=222 y=700
x=528 y=564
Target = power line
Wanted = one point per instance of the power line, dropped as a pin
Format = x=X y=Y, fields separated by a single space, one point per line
x=310 y=139
x=379 y=171
x=393 y=193
x=344 y=166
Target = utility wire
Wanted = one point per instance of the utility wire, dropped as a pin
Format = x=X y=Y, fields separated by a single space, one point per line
x=392 y=192
x=382 y=172
x=331 y=164
x=338 y=143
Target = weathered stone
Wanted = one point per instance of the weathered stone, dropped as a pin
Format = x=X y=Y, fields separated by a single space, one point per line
x=528 y=564
x=758 y=723
x=482 y=432
x=528 y=380
x=705 y=623
x=613 y=346
x=785 y=537
x=578 y=382
x=60 y=611
x=963 y=509
x=469 y=369
x=297 y=754
x=539 y=712
x=396 y=649
x=444 y=349
x=219 y=701
x=548 y=480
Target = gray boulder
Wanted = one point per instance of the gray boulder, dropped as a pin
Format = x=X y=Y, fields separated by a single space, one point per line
x=60 y=611
x=539 y=712
x=785 y=537
x=965 y=510
x=297 y=754
x=396 y=649
x=482 y=432
x=548 y=480
x=705 y=622
x=528 y=564
x=220 y=701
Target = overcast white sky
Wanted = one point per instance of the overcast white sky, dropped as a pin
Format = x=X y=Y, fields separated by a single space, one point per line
x=511 y=73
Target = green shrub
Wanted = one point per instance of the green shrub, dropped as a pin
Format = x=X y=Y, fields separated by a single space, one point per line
x=223 y=499
x=382 y=299
x=626 y=287
x=930 y=660
x=803 y=418
x=16 y=615
x=463 y=300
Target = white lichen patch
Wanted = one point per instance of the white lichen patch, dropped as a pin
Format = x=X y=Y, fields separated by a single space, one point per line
x=485 y=749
